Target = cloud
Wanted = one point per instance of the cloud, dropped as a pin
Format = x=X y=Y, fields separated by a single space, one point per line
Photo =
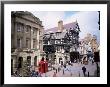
x=87 y=20
x=88 y=23
x=50 y=18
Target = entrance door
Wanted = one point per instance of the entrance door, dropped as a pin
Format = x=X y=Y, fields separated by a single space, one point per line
x=35 y=61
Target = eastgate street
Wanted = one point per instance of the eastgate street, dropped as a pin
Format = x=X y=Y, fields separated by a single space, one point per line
x=54 y=52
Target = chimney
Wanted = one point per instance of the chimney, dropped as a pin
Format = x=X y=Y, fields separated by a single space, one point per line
x=60 y=26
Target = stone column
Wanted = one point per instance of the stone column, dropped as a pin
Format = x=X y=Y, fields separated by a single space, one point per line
x=24 y=38
x=38 y=39
x=31 y=35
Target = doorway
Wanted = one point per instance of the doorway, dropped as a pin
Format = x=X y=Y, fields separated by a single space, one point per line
x=35 y=61
x=20 y=62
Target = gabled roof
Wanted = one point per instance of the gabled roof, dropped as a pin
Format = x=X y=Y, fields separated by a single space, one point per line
x=66 y=26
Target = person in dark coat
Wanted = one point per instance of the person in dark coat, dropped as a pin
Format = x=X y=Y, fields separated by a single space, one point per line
x=84 y=70
x=63 y=72
x=58 y=69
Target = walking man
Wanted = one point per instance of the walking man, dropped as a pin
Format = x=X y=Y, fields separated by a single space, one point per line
x=63 y=72
x=56 y=70
x=84 y=70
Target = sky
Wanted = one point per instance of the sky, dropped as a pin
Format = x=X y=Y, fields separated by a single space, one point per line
x=87 y=20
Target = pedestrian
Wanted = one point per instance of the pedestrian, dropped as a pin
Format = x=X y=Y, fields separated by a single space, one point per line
x=54 y=75
x=84 y=70
x=36 y=73
x=64 y=65
x=56 y=70
x=32 y=73
x=92 y=61
x=88 y=74
x=63 y=72
x=79 y=74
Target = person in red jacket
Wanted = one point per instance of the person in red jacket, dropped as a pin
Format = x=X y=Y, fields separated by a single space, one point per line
x=41 y=65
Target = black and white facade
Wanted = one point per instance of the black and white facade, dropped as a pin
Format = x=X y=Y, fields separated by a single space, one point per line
x=60 y=41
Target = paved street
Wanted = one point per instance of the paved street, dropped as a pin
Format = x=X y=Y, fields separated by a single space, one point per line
x=73 y=71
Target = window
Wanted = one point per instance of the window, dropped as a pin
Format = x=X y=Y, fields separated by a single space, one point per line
x=19 y=43
x=57 y=41
x=28 y=28
x=27 y=43
x=58 y=48
x=34 y=43
x=52 y=41
x=34 y=31
x=19 y=27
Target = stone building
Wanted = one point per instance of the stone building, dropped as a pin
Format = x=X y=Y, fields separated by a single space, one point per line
x=60 y=41
x=88 y=45
x=26 y=39
x=94 y=44
x=81 y=48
